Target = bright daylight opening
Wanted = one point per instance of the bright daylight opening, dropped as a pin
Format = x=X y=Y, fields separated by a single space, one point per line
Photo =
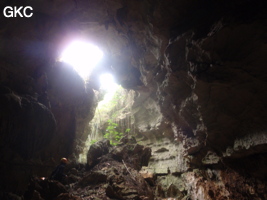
x=109 y=86
x=82 y=56
x=107 y=82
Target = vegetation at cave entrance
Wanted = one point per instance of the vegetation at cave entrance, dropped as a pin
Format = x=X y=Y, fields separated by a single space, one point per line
x=112 y=134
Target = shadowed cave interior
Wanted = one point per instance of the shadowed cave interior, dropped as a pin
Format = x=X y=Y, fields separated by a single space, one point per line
x=186 y=120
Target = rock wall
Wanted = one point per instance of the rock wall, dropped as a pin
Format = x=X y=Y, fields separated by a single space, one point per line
x=43 y=113
x=38 y=126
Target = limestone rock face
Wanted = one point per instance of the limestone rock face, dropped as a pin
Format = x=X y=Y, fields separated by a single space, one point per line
x=73 y=106
x=27 y=126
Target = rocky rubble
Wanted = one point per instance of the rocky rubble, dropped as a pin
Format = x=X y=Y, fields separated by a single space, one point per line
x=112 y=173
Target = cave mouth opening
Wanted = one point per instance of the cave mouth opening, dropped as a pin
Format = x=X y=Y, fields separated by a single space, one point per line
x=82 y=56
x=108 y=86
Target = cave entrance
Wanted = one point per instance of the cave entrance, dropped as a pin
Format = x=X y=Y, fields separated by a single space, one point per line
x=83 y=56
x=112 y=119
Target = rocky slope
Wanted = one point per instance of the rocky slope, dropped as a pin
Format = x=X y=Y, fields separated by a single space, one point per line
x=111 y=173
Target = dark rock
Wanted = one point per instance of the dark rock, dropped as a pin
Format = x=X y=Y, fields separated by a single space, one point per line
x=94 y=177
x=111 y=193
x=5 y=90
x=159 y=191
x=46 y=189
x=73 y=106
x=126 y=139
x=73 y=178
x=149 y=177
x=96 y=151
x=32 y=122
x=36 y=196
x=127 y=184
x=115 y=175
x=163 y=149
x=67 y=196
x=74 y=171
x=173 y=191
x=136 y=154
x=10 y=196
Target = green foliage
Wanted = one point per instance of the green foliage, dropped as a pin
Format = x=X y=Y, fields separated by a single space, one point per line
x=127 y=130
x=93 y=141
x=111 y=108
x=112 y=134
x=116 y=98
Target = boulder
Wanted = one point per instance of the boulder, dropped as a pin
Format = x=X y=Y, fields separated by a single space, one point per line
x=149 y=177
x=135 y=154
x=43 y=189
x=97 y=150
x=67 y=196
x=93 y=177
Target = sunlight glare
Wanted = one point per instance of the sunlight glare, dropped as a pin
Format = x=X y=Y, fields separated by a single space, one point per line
x=108 y=84
x=107 y=81
x=82 y=56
